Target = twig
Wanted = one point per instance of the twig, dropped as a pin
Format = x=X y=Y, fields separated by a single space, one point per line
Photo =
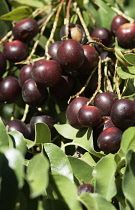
x=77 y=9
x=116 y=78
x=99 y=82
x=53 y=28
x=25 y=113
x=3 y=40
x=83 y=88
x=67 y=18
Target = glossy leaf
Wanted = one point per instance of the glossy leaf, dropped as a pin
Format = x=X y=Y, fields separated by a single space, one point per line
x=104 y=177
x=58 y=160
x=17 y=14
x=18 y=141
x=128 y=184
x=81 y=170
x=65 y=190
x=42 y=135
x=4 y=137
x=5 y=26
x=130 y=57
x=94 y=201
x=66 y=130
x=31 y=3
x=124 y=72
x=128 y=140
x=84 y=139
x=8 y=184
x=15 y=162
x=37 y=175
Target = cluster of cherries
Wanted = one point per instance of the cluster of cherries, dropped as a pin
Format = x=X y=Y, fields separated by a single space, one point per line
x=107 y=115
x=70 y=58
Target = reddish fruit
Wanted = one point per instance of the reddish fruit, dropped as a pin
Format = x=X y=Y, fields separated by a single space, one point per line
x=117 y=21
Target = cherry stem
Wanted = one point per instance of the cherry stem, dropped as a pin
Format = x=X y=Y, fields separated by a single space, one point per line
x=53 y=28
x=116 y=78
x=99 y=82
x=77 y=9
x=67 y=18
x=83 y=88
x=25 y=113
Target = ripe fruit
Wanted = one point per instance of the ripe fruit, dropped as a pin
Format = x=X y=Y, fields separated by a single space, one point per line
x=123 y=113
x=53 y=49
x=104 y=102
x=33 y=93
x=103 y=35
x=47 y=72
x=70 y=55
x=25 y=30
x=18 y=125
x=9 y=89
x=90 y=59
x=24 y=74
x=126 y=35
x=89 y=116
x=15 y=51
x=73 y=109
x=88 y=188
x=63 y=88
x=117 y=21
x=109 y=139
x=75 y=32
x=2 y=64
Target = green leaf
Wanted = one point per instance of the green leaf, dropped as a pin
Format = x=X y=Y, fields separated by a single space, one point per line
x=81 y=170
x=65 y=190
x=5 y=26
x=104 y=177
x=15 y=162
x=37 y=175
x=42 y=135
x=88 y=159
x=58 y=160
x=130 y=57
x=17 y=14
x=84 y=139
x=128 y=184
x=128 y=141
x=17 y=141
x=31 y=3
x=94 y=201
x=8 y=184
x=124 y=72
x=50 y=204
x=66 y=130
x=4 y=137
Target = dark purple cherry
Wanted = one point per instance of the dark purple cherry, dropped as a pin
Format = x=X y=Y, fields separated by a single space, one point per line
x=9 y=89
x=15 y=51
x=87 y=188
x=25 y=74
x=104 y=102
x=63 y=88
x=53 y=49
x=47 y=72
x=89 y=116
x=117 y=21
x=90 y=58
x=126 y=35
x=3 y=64
x=34 y=93
x=123 y=113
x=103 y=35
x=25 y=30
x=70 y=55
x=18 y=125
x=75 y=32
x=72 y=111
x=109 y=140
